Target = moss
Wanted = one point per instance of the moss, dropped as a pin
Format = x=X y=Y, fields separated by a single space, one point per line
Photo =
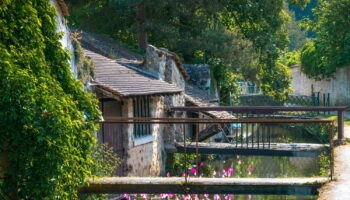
x=85 y=66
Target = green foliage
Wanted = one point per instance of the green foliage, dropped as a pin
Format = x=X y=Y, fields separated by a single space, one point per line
x=105 y=162
x=331 y=49
x=296 y=35
x=325 y=164
x=219 y=29
x=312 y=62
x=181 y=163
x=226 y=80
x=47 y=119
x=321 y=132
x=291 y=58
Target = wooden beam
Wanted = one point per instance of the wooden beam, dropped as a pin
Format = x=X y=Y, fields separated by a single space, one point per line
x=147 y=120
x=211 y=130
x=259 y=109
x=276 y=149
x=158 y=185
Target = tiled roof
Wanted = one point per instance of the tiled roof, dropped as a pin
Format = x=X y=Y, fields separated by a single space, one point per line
x=106 y=46
x=198 y=97
x=125 y=82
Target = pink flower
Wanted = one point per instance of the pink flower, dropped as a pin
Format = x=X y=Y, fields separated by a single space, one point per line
x=126 y=196
x=194 y=171
x=206 y=195
x=229 y=171
x=214 y=173
x=201 y=164
x=239 y=162
x=229 y=196
x=195 y=196
x=168 y=174
x=217 y=197
x=250 y=168
x=249 y=173
x=171 y=195
x=163 y=196
x=176 y=198
x=249 y=197
x=183 y=174
x=237 y=156
x=144 y=196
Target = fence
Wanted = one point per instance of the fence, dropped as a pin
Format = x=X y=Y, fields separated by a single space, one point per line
x=292 y=100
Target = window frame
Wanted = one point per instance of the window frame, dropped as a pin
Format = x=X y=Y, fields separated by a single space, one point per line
x=141 y=108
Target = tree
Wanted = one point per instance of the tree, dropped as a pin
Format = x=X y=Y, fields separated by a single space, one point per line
x=47 y=119
x=297 y=36
x=331 y=49
x=184 y=26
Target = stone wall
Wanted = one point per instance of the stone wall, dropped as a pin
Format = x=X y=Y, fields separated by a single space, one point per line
x=162 y=64
x=338 y=87
x=174 y=132
x=145 y=159
x=202 y=78
x=148 y=159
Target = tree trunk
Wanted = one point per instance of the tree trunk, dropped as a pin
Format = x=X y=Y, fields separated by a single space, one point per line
x=141 y=21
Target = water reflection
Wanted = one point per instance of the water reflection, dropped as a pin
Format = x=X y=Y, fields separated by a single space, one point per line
x=268 y=166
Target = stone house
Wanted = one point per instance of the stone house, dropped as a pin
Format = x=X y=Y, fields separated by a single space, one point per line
x=196 y=81
x=129 y=87
x=127 y=92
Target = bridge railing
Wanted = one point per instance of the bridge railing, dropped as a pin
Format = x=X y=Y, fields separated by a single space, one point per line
x=244 y=143
x=274 y=112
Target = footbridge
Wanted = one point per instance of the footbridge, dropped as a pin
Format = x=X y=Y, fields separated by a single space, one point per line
x=242 y=144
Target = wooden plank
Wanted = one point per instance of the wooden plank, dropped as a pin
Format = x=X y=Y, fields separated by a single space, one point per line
x=276 y=149
x=158 y=185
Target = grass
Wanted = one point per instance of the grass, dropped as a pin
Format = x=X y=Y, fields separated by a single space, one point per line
x=335 y=118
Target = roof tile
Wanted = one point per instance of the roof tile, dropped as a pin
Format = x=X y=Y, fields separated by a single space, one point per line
x=125 y=82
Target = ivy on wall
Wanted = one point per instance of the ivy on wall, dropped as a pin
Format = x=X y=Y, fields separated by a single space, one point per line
x=85 y=66
x=47 y=119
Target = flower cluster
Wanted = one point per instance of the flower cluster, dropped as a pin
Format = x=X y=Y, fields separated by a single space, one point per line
x=181 y=196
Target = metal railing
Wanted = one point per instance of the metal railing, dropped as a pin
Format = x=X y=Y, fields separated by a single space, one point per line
x=271 y=111
x=257 y=144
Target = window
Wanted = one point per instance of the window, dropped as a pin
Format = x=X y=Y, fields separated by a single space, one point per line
x=141 y=109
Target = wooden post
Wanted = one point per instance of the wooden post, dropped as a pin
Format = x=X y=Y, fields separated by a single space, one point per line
x=331 y=145
x=341 y=126
x=197 y=159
